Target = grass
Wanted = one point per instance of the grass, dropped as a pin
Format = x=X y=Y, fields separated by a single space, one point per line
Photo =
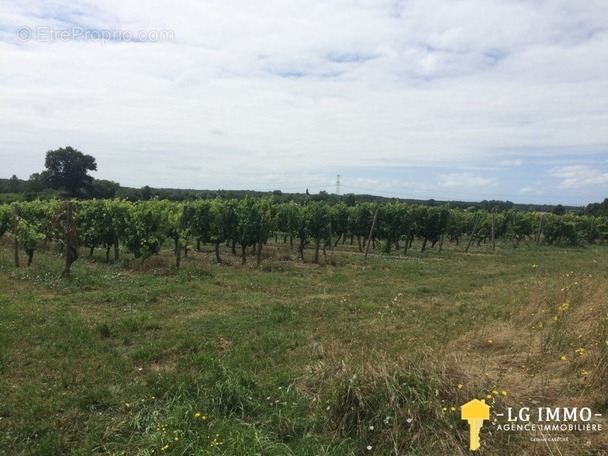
x=353 y=357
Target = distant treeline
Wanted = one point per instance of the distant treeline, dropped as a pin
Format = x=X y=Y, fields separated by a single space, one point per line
x=15 y=190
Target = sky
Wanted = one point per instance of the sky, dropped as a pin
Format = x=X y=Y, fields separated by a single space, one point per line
x=444 y=99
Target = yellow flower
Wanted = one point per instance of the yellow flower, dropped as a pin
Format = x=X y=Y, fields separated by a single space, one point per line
x=444 y=409
x=197 y=414
x=460 y=386
x=563 y=358
x=488 y=396
x=489 y=341
x=504 y=393
x=453 y=409
x=495 y=393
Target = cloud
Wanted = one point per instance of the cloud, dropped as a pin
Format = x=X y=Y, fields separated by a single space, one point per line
x=511 y=163
x=307 y=86
x=462 y=181
x=580 y=176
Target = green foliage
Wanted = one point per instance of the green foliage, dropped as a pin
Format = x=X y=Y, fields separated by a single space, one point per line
x=148 y=224
x=393 y=222
x=29 y=234
x=143 y=227
x=103 y=189
x=6 y=218
x=199 y=220
x=95 y=223
x=222 y=220
x=560 y=230
x=360 y=218
x=67 y=168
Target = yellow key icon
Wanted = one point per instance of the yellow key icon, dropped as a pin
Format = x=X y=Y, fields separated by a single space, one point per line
x=475 y=412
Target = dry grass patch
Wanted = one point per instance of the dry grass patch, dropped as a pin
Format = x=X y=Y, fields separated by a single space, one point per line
x=552 y=353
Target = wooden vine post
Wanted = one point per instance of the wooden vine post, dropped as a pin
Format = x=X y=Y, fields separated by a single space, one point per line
x=260 y=240
x=540 y=229
x=70 y=240
x=371 y=232
x=182 y=228
x=493 y=232
x=15 y=225
x=472 y=235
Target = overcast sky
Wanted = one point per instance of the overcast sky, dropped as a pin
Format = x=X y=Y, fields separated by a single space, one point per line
x=443 y=99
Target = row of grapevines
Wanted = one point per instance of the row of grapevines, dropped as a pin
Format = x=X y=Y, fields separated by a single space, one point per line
x=142 y=228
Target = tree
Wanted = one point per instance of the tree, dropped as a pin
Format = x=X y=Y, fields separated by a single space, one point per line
x=104 y=189
x=14 y=185
x=66 y=168
x=36 y=182
x=146 y=193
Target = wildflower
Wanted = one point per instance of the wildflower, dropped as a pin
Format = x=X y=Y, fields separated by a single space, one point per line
x=197 y=414
x=453 y=409
x=580 y=351
x=488 y=396
x=490 y=341
x=495 y=393
x=369 y=447
x=584 y=372
x=127 y=405
x=503 y=392
x=563 y=358
x=444 y=409
x=371 y=428
x=460 y=386
x=386 y=420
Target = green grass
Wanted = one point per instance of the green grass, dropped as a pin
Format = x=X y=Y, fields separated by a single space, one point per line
x=292 y=358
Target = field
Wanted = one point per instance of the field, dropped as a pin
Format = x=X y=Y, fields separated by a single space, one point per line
x=349 y=357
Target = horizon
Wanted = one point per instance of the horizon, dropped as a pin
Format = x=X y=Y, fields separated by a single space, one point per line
x=342 y=194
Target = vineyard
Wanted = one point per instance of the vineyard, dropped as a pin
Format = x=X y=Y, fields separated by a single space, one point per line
x=363 y=331
x=246 y=225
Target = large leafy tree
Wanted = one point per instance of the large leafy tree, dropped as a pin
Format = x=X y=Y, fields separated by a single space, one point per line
x=67 y=168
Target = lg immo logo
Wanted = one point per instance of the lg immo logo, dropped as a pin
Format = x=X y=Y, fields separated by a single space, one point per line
x=536 y=421
x=549 y=419
x=475 y=412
